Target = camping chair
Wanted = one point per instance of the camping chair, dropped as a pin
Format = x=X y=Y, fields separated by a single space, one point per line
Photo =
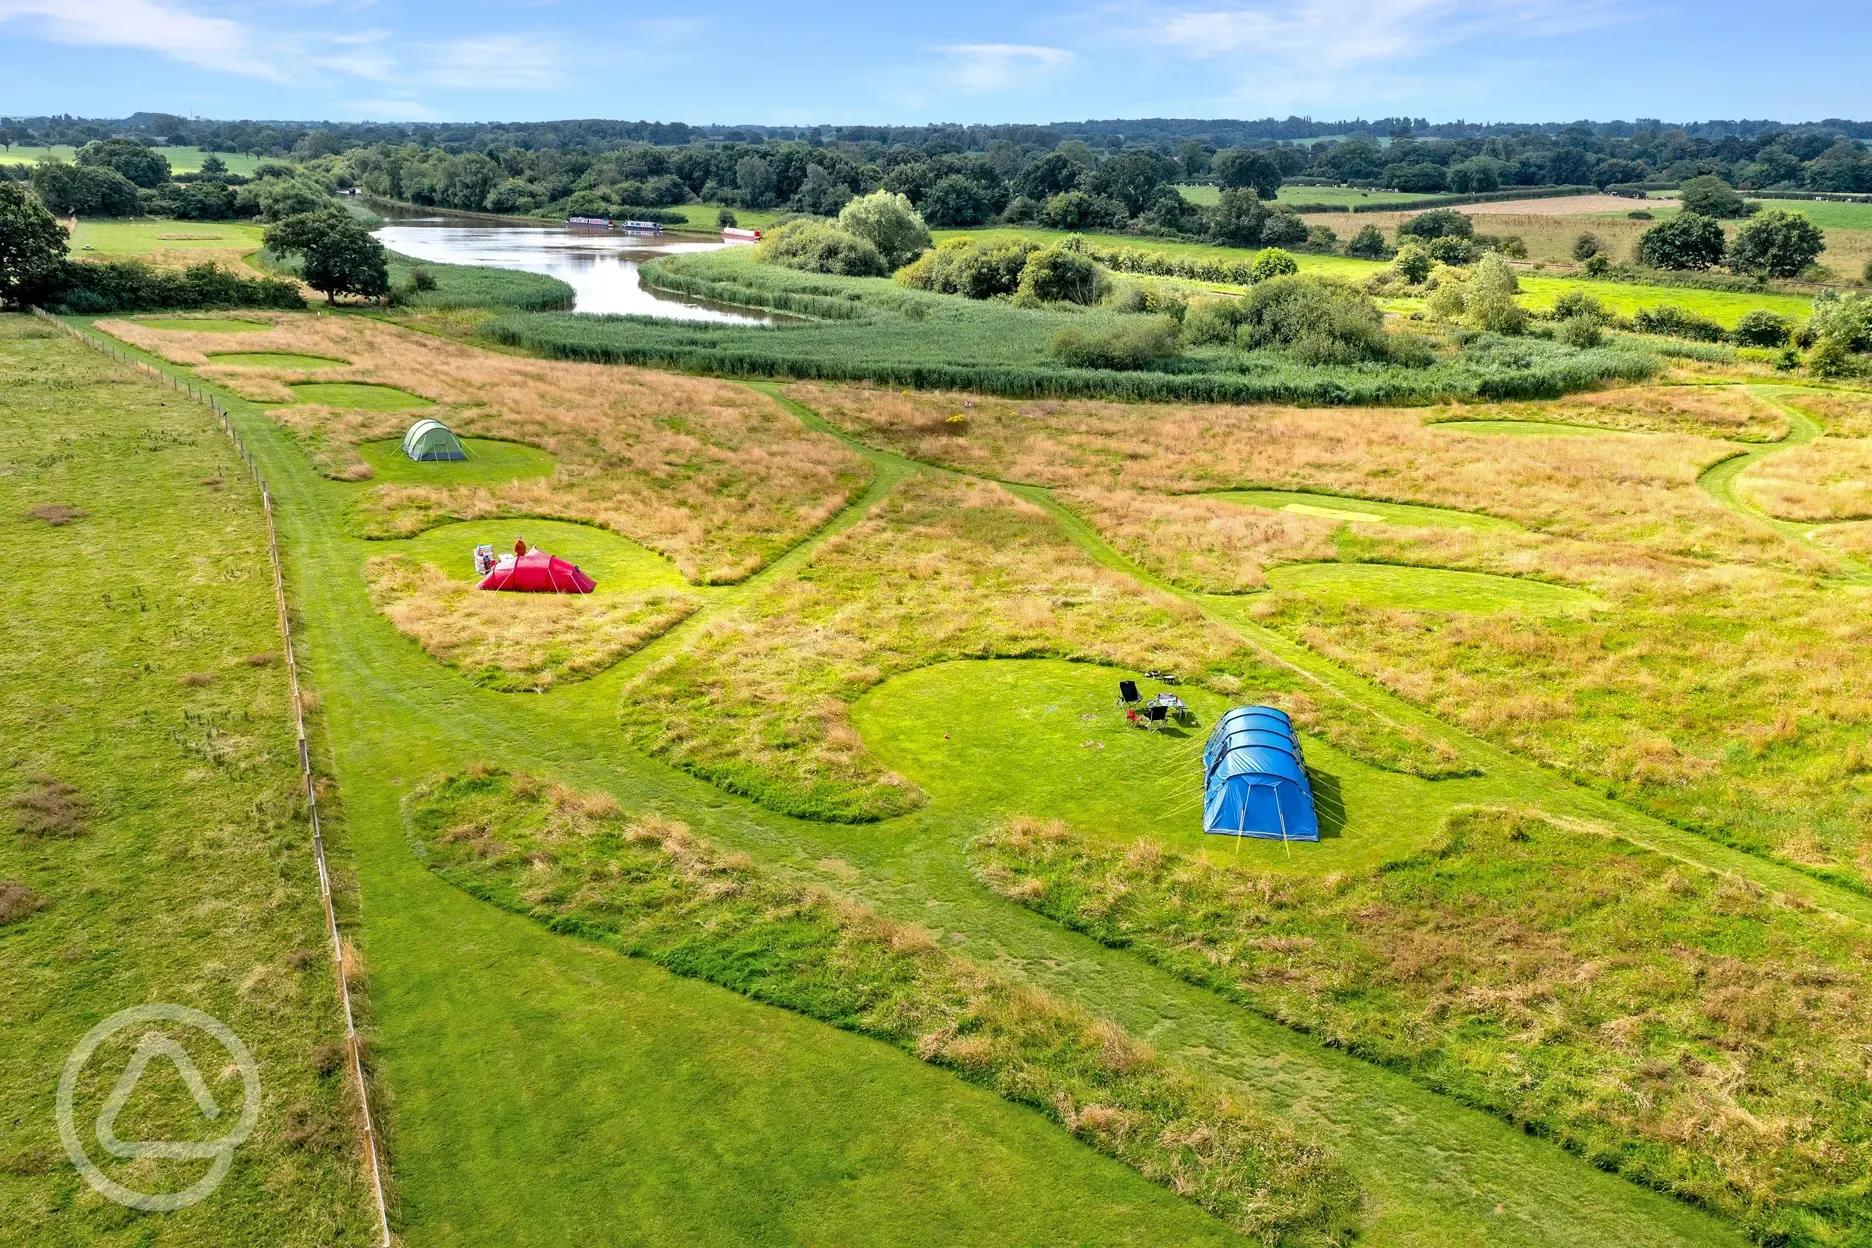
x=1155 y=715
x=1128 y=694
x=1168 y=678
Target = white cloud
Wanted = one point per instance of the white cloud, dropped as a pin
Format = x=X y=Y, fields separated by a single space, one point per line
x=1345 y=33
x=522 y=62
x=984 y=68
x=215 y=42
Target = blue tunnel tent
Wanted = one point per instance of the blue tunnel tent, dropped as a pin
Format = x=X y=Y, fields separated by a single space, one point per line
x=430 y=439
x=1254 y=781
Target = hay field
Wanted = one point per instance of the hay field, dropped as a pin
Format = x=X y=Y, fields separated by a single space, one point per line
x=701 y=471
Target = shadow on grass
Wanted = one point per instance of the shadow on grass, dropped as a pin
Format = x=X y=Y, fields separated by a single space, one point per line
x=1328 y=803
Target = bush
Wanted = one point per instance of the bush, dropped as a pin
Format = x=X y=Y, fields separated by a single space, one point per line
x=1777 y=243
x=1488 y=302
x=1368 y=244
x=726 y=218
x=279 y=198
x=1413 y=264
x=131 y=286
x=1129 y=346
x=1438 y=223
x=1451 y=249
x=1076 y=210
x=1574 y=303
x=1054 y=275
x=888 y=222
x=1675 y=322
x=1273 y=263
x=1597 y=266
x=1762 y=328
x=1283 y=228
x=1319 y=322
x=1587 y=245
x=1710 y=196
x=962 y=266
x=1581 y=331
x=1846 y=321
x=819 y=247
x=1686 y=241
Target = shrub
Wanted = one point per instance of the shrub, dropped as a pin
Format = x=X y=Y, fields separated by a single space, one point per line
x=1283 y=228
x=1587 y=245
x=280 y=198
x=888 y=222
x=1581 y=331
x=725 y=217
x=963 y=266
x=1762 y=328
x=1413 y=264
x=1639 y=214
x=819 y=247
x=1686 y=241
x=131 y=286
x=1054 y=275
x=1438 y=223
x=1710 y=196
x=1596 y=266
x=1675 y=322
x=1274 y=263
x=1319 y=322
x=1130 y=345
x=1368 y=244
x=1450 y=249
x=1777 y=243
x=1574 y=303
x=1847 y=321
x=1076 y=210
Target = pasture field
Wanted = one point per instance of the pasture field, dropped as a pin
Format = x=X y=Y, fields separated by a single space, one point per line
x=181 y=159
x=153 y=837
x=171 y=244
x=845 y=698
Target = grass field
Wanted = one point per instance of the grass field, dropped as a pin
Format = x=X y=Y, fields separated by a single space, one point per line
x=181 y=159
x=1597 y=627
x=467 y=1042
x=170 y=243
x=153 y=840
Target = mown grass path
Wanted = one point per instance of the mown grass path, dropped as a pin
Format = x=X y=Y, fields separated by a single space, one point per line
x=548 y=1092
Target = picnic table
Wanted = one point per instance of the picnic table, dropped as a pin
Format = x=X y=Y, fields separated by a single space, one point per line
x=1171 y=703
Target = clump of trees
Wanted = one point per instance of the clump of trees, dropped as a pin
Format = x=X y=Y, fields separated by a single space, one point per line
x=819 y=247
x=1775 y=243
x=337 y=255
x=886 y=220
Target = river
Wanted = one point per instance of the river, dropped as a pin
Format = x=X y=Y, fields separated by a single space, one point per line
x=600 y=265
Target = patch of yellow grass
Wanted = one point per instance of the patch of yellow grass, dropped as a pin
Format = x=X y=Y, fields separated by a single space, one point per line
x=513 y=641
x=1827 y=479
x=1709 y=411
x=714 y=476
x=1843 y=413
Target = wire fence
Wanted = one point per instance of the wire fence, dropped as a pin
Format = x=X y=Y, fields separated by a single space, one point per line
x=353 y=1045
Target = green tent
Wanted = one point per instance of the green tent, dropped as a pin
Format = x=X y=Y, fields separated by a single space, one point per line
x=429 y=439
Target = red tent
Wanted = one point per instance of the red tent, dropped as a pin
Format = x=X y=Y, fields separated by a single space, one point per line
x=537 y=572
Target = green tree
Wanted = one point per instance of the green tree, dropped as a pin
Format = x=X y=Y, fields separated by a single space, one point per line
x=956 y=200
x=1239 y=217
x=1437 y=223
x=1761 y=328
x=889 y=223
x=1710 y=196
x=1776 y=243
x=1239 y=169
x=1368 y=244
x=1587 y=245
x=821 y=247
x=32 y=247
x=128 y=157
x=1488 y=302
x=280 y=198
x=84 y=190
x=1688 y=240
x=213 y=165
x=338 y=255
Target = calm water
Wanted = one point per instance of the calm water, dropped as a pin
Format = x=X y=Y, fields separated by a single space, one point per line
x=600 y=265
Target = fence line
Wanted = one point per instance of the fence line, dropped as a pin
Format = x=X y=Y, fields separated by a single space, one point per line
x=352 y=1043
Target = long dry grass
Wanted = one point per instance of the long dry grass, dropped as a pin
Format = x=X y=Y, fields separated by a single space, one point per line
x=1635 y=490
x=647 y=886
x=1842 y=413
x=1827 y=479
x=1670 y=1024
x=1729 y=412
x=717 y=478
x=515 y=641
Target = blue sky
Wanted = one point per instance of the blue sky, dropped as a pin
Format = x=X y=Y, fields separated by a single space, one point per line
x=1480 y=60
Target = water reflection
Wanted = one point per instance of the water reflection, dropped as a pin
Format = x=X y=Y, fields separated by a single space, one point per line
x=600 y=265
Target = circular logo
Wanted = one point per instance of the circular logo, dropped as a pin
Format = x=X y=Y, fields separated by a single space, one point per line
x=155 y=1043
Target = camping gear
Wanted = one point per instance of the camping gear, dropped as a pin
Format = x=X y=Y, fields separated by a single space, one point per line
x=484 y=560
x=429 y=439
x=1128 y=694
x=1153 y=715
x=1168 y=678
x=1254 y=779
x=1171 y=703
x=537 y=572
